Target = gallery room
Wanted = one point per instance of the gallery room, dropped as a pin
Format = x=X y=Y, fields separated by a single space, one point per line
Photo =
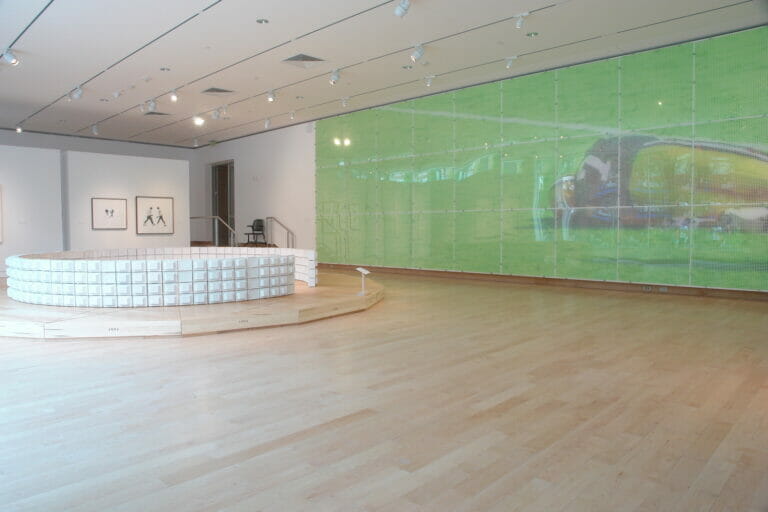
x=402 y=255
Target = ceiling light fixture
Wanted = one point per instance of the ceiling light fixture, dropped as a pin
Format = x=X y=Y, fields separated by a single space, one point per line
x=19 y=129
x=271 y=96
x=76 y=93
x=216 y=114
x=262 y=21
x=520 y=19
x=334 y=77
x=510 y=61
x=151 y=106
x=428 y=80
x=418 y=52
x=195 y=142
x=95 y=129
x=199 y=121
x=174 y=96
x=10 y=58
x=532 y=34
x=117 y=94
x=344 y=101
x=402 y=8
x=292 y=115
x=337 y=141
x=267 y=123
x=347 y=142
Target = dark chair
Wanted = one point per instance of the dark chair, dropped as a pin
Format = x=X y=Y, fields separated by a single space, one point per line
x=257 y=230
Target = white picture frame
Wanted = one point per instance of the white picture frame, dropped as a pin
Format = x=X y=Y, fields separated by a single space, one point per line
x=154 y=215
x=109 y=213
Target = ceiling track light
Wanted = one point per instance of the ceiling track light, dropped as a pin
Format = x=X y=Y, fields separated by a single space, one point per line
x=509 y=61
x=345 y=101
x=76 y=93
x=267 y=123
x=520 y=19
x=334 y=77
x=174 y=96
x=402 y=8
x=10 y=58
x=216 y=114
x=418 y=52
x=152 y=106
x=428 y=80
x=199 y=121
x=19 y=129
x=95 y=129
x=292 y=115
x=271 y=96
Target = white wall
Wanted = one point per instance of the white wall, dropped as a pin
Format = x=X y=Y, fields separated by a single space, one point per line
x=31 y=201
x=274 y=176
x=90 y=175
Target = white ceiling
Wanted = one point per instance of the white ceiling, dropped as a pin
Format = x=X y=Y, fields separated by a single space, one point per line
x=109 y=46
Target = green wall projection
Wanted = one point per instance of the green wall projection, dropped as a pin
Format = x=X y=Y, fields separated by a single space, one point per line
x=651 y=167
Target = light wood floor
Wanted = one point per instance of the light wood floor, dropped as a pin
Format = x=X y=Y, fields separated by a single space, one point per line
x=446 y=396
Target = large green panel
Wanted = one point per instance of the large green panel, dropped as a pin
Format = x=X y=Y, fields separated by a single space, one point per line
x=651 y=167
x=528 y=108
x=731 y=75
x=478 y=180
x=433 y=124
x=731 y=257
x=586 y=252
x=395 y=130
x=527 y=175
x=478 y=241
x=652 y=249
x=396 y=240
x=656 y=88
x=433 y=182
x=478 y=116
x=528 y=242
x=587 y=98
x=433 y=235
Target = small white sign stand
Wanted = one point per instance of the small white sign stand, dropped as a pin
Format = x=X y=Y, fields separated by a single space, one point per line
x=363 y=272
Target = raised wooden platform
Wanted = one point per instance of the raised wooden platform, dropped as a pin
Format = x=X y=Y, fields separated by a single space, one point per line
x=337 y=294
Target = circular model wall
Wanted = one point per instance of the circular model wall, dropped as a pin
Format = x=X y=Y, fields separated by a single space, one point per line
x=158 y=277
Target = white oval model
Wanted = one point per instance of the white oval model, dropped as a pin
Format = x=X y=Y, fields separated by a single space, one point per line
x=169 y=276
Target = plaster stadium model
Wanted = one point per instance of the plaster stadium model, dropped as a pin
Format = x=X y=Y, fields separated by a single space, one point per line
x=158 y=277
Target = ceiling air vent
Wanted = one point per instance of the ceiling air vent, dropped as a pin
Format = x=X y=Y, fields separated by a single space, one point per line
x=217 y=91
x=303 y=61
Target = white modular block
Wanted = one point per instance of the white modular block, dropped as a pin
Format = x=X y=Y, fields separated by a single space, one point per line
x=108 y=278
x=199 y=264
x=154 y=289
x=81 y=289
x=123 y=278
x=214 y=286
x=169 y=265
x=263 y=282
x=185 y=288
x=241 y=284
x=227 y=296
x=154 y=300
x=253 y=262
x=185 y=276
x=170 y=277
x=123 y=266
x=80 y=266
x=241 y=262
x=170 y=288
x=200 y=275
x=185 y=299
x=170 y=300
x=138 y=266
x=201 y=298
x=274 y=281
x=68 y=289
x=253 y=272
x=139 y=277
x=140 y=301
x=94 y=278
x=139 y=289
x=109 y=289
x=154 y=277
x=241 y=273
x=68 y=266
x=94 y=301
x=124 y=301
x=228 y=274
x=68 y=300
x=154 y=265
x=109 y=301
x=200 y=287
x=264 y=293
x=274 y=291
x=214 y=275
x=184 y=265
x=253 y=294
x=227 y=285
x=123 y=289
x=227 y=263
x=214 y=264
x=81 y=277
x=109 y=266
x=214 y=298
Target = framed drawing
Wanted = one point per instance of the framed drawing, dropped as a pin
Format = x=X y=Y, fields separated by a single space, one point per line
x=109 y=213
x=154 y=215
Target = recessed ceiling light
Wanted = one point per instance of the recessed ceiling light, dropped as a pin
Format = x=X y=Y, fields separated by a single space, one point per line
x=418 y=52
x=267 y=123
x=532 y=34
x=95 y=129
x=428 y=80
x=174 y=96
x=199 y=121
x=262 y=21
x=19 y=129
x=151 y=106
x=292 y=115
x=117 y=94
x=195 y=142
x=334 y=77
x=344 y=101
x=510 y=61
x=271 y=96
x=347 y=142
x=10 y=58
x=337 y=141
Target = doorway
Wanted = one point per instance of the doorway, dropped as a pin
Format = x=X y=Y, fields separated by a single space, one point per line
x=223 y=200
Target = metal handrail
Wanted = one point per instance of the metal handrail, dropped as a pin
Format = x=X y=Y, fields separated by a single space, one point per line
x=232 y=232
x=290 y=237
